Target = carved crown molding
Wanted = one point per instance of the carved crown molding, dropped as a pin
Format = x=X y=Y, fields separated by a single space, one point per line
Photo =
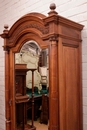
x=36 y=26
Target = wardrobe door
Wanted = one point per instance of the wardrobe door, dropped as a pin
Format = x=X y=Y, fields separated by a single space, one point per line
x=70 y=109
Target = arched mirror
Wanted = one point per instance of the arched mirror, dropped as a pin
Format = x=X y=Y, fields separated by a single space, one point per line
x=36 y=111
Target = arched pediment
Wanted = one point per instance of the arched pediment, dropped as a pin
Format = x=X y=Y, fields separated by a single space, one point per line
x=33 y=20
x=35 y=24
x=29 y=23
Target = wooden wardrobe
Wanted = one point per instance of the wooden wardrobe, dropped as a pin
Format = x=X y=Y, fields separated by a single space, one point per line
x=62 y=37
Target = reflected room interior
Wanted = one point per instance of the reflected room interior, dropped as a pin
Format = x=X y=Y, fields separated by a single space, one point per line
x=36 y=84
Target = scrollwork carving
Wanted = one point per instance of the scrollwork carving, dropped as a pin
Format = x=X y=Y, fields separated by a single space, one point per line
x=38 y=27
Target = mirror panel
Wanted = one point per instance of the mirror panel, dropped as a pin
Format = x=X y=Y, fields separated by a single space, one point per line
x=36 y=58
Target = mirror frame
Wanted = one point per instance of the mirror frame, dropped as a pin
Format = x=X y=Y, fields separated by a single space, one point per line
x=42 y=29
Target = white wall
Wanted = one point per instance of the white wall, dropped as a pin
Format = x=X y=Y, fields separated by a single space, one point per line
x=12 y=10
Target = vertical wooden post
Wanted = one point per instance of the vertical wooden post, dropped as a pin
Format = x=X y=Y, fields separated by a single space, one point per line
x=53 y=86
x=7 y=92
x=7 y=82
x=32 y=70
x=32 y=98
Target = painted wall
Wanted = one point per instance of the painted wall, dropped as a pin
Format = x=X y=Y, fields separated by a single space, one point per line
x=12 y=10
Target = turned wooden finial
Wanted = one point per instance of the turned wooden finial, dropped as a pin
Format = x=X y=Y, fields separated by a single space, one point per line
x=6 y=26
x=5 y=31
x=52 y=7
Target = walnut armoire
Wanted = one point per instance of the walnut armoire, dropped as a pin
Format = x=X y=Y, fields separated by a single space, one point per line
x=62 y=37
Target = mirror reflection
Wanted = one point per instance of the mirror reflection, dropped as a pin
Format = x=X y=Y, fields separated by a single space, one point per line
x=31 y=64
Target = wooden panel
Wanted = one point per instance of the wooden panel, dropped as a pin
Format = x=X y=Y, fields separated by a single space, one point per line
x=19 y=85
x=70 y=32
x=71 y=88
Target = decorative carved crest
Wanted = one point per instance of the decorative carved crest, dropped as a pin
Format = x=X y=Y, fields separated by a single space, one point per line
x=40 y=28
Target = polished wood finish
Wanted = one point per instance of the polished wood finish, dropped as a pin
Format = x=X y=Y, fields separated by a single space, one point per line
x=32 y=70
x=53 y=88
x=37 y=104
x=44 y=116
x=21 y=98
x=42 y=59
x=63 y=39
